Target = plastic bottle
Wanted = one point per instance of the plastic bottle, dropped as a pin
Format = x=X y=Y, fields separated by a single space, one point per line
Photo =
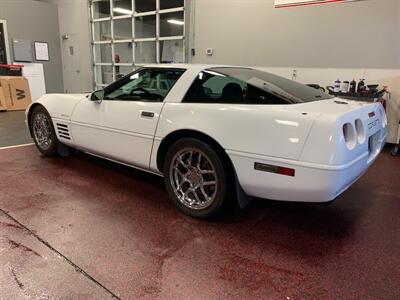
x=336 y=88
x=344 y=87
x=353 y=85
x=361 y=86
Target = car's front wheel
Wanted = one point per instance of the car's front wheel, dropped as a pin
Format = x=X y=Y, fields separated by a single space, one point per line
x=43 y=132
x=195 y=178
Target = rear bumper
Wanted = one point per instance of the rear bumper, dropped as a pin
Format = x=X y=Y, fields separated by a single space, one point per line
x=311 y=183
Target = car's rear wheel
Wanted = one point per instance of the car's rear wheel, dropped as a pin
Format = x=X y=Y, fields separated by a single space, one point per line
x=195 y=178
x=43 y=132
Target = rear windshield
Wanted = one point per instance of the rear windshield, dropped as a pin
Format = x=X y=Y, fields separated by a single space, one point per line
x=249 y=86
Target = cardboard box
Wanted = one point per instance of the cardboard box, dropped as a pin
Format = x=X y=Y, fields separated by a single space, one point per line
x=3 y=105
x=16 y=92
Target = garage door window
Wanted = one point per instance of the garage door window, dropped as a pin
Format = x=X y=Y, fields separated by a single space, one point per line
x=127 y=34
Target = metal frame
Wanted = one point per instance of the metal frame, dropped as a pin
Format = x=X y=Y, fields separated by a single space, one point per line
x=4 y=22
x=157 y=39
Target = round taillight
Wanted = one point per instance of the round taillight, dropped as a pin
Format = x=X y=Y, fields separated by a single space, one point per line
x=360 y=131
x=349 y=134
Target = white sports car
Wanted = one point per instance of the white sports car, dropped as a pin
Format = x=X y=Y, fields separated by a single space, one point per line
x=215 y=132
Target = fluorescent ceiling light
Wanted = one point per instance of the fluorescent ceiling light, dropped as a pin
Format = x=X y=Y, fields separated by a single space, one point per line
x=176 y=22
x=123 y=11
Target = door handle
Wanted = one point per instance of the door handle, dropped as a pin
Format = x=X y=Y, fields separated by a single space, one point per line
x=147 y=114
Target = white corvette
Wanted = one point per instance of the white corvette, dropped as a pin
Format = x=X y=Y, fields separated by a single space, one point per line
x=215 y=132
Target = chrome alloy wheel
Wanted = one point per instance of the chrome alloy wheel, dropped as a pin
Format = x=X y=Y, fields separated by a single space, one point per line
x=193 y=178
x=42 y=130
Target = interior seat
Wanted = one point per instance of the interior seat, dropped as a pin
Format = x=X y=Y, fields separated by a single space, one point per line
x=198 y=94
x=232 y=93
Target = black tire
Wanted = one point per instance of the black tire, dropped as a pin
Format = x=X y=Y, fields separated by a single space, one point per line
x=210 y=159
x=51 y=148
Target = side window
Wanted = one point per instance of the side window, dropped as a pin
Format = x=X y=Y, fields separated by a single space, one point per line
x=213 y=87
x=144 y=85
x=216 y=88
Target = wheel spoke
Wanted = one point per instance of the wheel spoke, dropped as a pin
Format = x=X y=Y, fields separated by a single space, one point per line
x=185 y=194
x=199 y=162
x=207 y=183
x=197 y=197
x=190 y=158
x=179 y=172
x=204 y=172
x=204 y=193
x=183 y=179
x=183 y=163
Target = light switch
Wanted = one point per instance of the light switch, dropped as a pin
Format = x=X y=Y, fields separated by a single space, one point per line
x=209 y=51
x=294 y=74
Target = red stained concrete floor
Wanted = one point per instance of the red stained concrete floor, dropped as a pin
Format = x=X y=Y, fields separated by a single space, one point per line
x=92 y=229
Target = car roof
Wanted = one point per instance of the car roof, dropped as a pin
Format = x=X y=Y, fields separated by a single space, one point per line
x=190 y=66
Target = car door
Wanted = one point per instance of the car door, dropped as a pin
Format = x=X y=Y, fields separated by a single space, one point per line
x=121 y=126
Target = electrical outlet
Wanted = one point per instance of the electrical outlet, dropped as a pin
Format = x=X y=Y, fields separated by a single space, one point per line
x=294 y=74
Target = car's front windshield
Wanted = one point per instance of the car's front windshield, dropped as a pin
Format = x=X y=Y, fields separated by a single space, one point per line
x=285 y=89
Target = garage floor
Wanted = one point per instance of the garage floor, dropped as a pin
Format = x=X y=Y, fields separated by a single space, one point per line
x=84 y=228
x=13 y=129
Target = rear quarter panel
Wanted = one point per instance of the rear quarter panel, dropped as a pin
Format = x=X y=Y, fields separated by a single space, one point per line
x=275 y=131
x=326 y=144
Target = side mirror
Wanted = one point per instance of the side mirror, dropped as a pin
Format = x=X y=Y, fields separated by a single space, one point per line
x=97 y=95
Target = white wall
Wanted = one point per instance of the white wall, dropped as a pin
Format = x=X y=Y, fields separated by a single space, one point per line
x=36 y=21
x=361 y=34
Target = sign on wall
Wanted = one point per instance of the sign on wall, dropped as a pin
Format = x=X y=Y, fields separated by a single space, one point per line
x=292 y=3
x=42 y=51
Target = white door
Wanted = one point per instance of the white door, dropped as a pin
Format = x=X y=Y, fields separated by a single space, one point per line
x=71 y=65
x=123 y=124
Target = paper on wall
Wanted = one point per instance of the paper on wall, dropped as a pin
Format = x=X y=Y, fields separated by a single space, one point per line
x=41 y=51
